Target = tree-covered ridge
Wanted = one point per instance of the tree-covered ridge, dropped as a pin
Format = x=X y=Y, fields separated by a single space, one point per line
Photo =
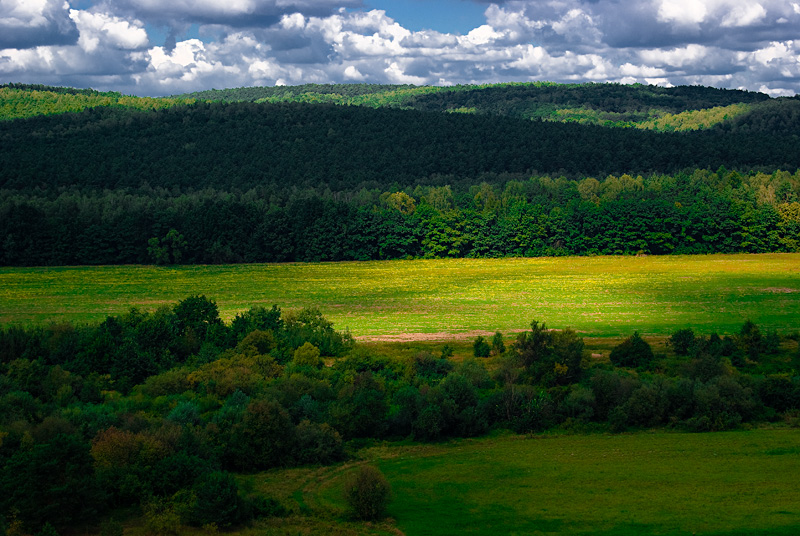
x=338 y=93
x=245 y=145
x=609 y=105
x=614 y=105
x=23 y=101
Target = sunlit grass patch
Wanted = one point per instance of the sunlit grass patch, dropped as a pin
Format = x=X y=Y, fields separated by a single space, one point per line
x=600 y=296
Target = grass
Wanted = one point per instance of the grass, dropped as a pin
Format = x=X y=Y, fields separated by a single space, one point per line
x=599 y=296
x=663 y=483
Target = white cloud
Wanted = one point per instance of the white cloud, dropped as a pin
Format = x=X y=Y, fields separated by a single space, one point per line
x=31 y=23
x=685 y=12
x=351 y=73
x=675 y=57
x=744 y=16
x=95 y=28
x=729 y=43
x=396 y=74
x=776 y=52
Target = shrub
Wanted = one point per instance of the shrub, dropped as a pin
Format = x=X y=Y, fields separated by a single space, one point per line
x=368 y=493
x=632 y=352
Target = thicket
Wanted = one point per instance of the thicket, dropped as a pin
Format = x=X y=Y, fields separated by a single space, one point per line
x=157 y=409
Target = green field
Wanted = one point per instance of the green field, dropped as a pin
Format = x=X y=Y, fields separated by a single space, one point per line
x=599 y=296
x=728 y=483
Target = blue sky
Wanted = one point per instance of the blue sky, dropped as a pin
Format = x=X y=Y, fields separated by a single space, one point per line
x=446 y=16
x=157 y=47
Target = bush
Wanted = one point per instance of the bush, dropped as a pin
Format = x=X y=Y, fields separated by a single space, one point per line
x=368 y=493
x=632 y=352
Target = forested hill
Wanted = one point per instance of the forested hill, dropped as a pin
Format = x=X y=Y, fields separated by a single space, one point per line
x=101 y=178
x=244 y=145
x=603 y=104
x=27 y=100
x=611 y=105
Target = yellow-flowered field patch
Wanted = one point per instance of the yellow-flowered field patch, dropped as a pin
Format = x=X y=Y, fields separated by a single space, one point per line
x=601 y=296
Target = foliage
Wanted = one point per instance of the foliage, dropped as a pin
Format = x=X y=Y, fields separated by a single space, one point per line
x=52 y=482
x=26 y=100
x=307 y=355
x=217 y=501
x=682 y=341
x=81 y=443
x=481 y=348
x=632 y=352
x=498 y=346
x=368 y=493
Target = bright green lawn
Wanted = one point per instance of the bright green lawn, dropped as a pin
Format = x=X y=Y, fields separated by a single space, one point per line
x=597 y=295
x=743 y=482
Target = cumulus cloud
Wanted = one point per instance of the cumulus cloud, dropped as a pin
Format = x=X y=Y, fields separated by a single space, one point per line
x=32 y=23
x=727 y=43
x=97 y=28
x=238 y=13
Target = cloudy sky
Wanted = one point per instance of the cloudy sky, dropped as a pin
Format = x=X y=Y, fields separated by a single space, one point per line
x=164 y=47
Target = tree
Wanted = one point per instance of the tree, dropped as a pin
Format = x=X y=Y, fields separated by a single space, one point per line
x=481 y=348
x=51 y=483
x=750 y=339
x=264 y=438
x=195 y=316
x=168 y=250
x=632 y=352
x=401 y=202
x=682 y=341
x=498 y=346
x=217 y=500
x=368 y=493
x=307 y=355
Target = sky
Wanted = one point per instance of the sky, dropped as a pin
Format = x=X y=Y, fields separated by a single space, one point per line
x=168 y=47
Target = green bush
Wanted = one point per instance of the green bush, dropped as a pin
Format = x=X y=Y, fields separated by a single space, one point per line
x=368 y=493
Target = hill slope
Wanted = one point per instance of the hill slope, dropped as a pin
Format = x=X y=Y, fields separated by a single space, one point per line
x=245 y=144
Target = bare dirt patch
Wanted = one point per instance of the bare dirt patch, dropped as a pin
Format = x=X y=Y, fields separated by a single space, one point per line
x=781 y=290
x=436 y=336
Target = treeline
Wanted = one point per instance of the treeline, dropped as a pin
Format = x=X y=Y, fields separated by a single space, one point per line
x=246 y=145
x=289 y=93
x=22 y=101
x=604 y=104
x=624 y=102
x=702 y=212
x=158 y=409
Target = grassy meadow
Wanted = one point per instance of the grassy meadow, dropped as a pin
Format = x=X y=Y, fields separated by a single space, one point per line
x=742 y=482
x=430 y=299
